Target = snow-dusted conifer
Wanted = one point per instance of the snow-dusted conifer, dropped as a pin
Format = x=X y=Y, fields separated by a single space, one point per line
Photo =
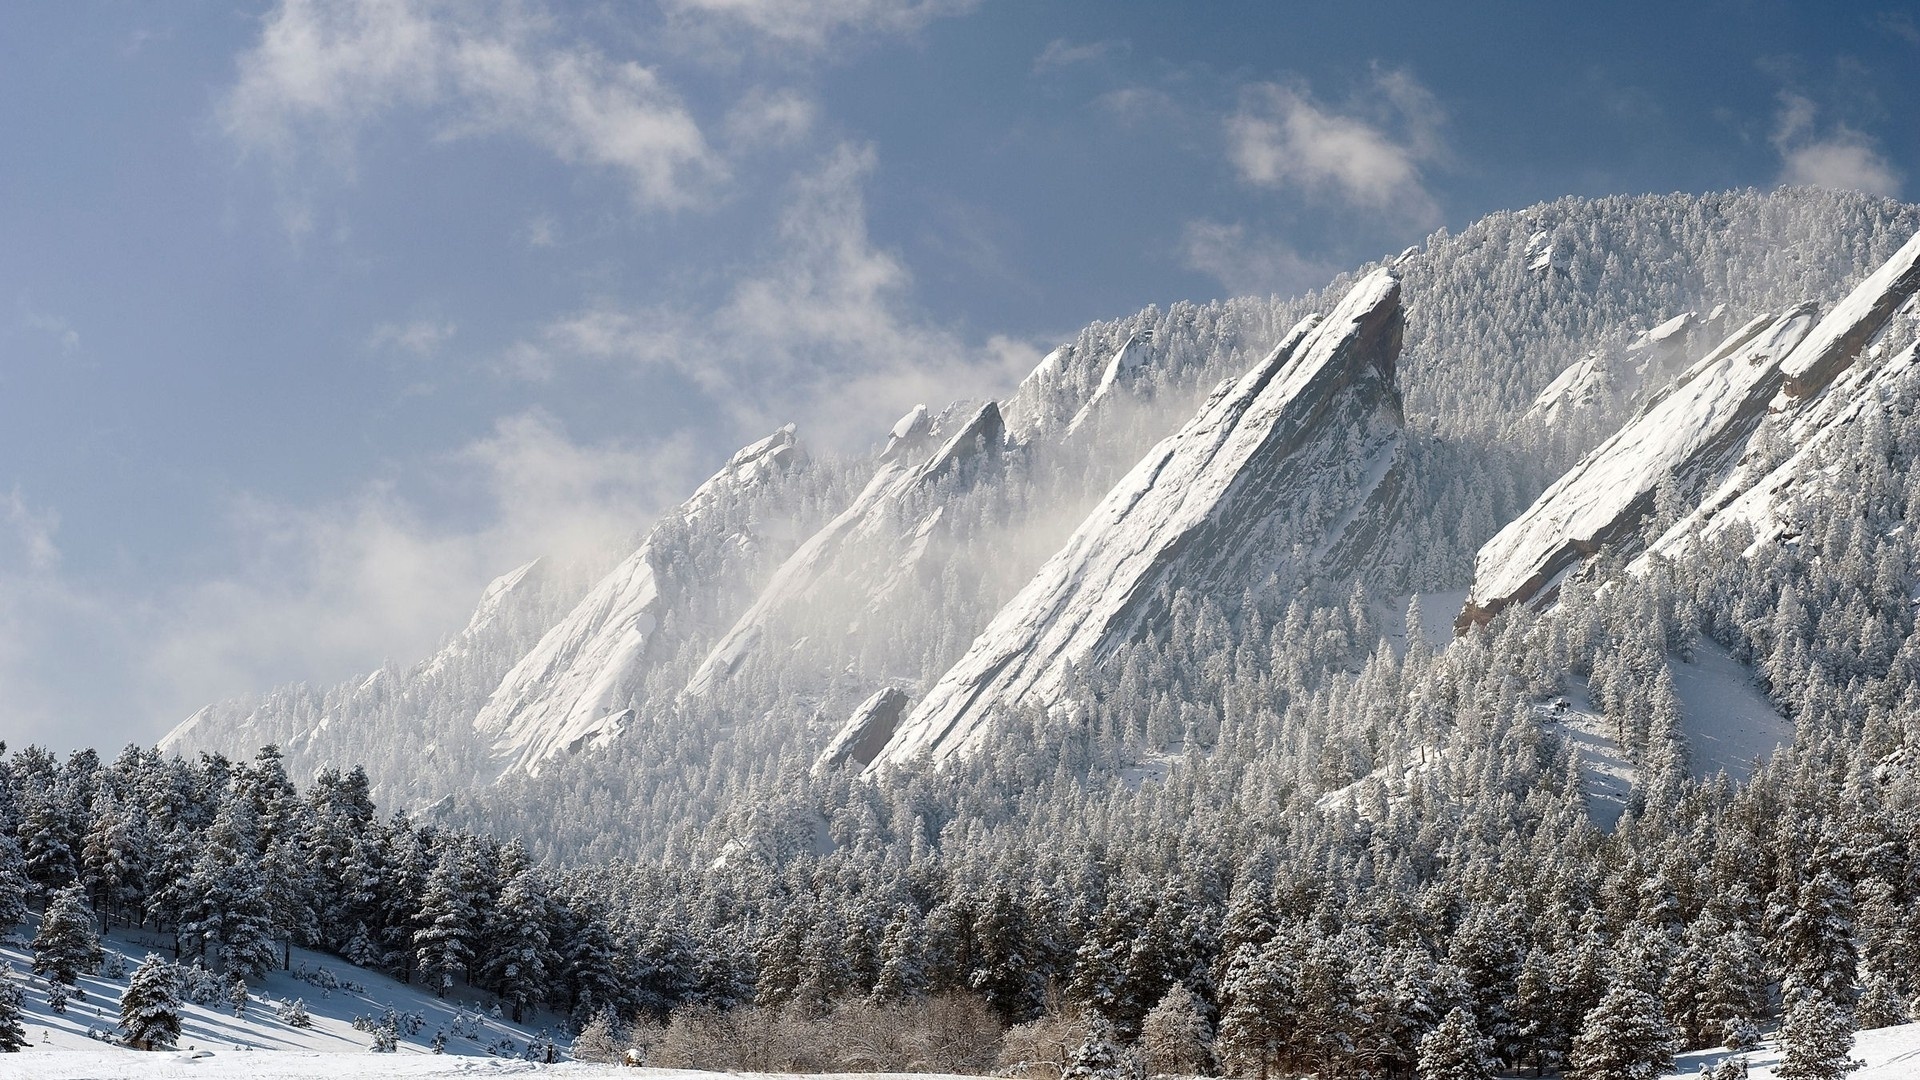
x=13 y=1034
x=150 y=1009
x=1175 y=1036
x=1456 y=1050
x=1816 y=1040
x=1625 y=1037
x=66 y=946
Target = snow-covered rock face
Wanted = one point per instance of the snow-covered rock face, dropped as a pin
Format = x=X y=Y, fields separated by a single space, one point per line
x=1685 y=435
x=866 y=732
x=1693 y=436
x=1290 y=462
x=1761 y=498
x=835 y=558
x=568 y=692
x=1126 y=364
x=1840 y=337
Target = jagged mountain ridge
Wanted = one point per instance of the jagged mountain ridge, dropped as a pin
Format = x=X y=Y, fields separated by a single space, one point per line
x=1691 y=438
x=1220 y=500
x=1484 y=336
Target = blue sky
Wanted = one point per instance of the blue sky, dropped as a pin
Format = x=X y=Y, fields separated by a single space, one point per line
x=313 y=317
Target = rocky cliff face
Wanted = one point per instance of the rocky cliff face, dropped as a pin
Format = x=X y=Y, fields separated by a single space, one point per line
x=567 y=692
x=1279 y=471
x=862 y=555
x=1689 y=439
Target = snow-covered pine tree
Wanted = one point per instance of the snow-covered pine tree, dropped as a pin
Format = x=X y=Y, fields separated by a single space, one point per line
x=1097 y=1058
x=520 y=960
x=66 y=946
x=14 y=887
x=1815 y=1040
x=1456 y=1050
x=449 y=920
x=13 y=1034
x=150 y=1009
x=1625 y=1037
x=1174 y=1035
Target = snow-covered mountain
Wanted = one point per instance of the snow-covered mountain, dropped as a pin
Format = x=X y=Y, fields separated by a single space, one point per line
x=572 y=689
x=1280 y=473
x=1688 y=442
x=986 y=550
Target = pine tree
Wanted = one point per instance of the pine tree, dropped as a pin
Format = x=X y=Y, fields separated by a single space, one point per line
x=14 y=887
x=13 y=1034
x=449 y=921
x=66 y=946
x=1456 y=1050
x=1625 y=1037
x=150 y=1009
x=520 y=961
x=1174 y=1037
x=1815 y=1040
x=1097 y=1058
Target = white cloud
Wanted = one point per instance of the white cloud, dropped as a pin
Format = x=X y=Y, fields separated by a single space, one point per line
x=1061 y=53
x=1370 y=156
x=771 y=118
x=811 y=26
x=50 y=325
x=320 y=593
x=421 y=337
x=33 y=532
x=1250 y=266
x=322 y=71
x=821 y=331
x=1840 y=157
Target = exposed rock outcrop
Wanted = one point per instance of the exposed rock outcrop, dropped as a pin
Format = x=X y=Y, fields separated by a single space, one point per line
x=1692 y=436
x=832 y=559
x=565 y=694
x=865 y=733
x=1288 y=466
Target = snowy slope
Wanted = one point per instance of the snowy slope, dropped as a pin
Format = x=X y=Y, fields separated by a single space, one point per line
x=1889 y=1053
x=1761 y=499
x=1124 y=366
x=1687 y=432
x=565 y=694
x=1692 y=434
x=1283 y=460
x=1852 y=323
x=840 y=560
x=258 y=1044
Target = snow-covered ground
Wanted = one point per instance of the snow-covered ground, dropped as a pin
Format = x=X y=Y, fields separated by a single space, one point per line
x=1891 y=1053
x=1728 y=722
x=259 y=1044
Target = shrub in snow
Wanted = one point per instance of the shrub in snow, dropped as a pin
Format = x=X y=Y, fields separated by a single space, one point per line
x=541 y=1048
x=600 y=1040
x=114 y=966
x=1042 y=1047
x=1740 y=1034
x=200 y=986
x=294 y=1013
x=150 y=1009
x=385 y=1039
x=57 y=998
x=237 y=997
